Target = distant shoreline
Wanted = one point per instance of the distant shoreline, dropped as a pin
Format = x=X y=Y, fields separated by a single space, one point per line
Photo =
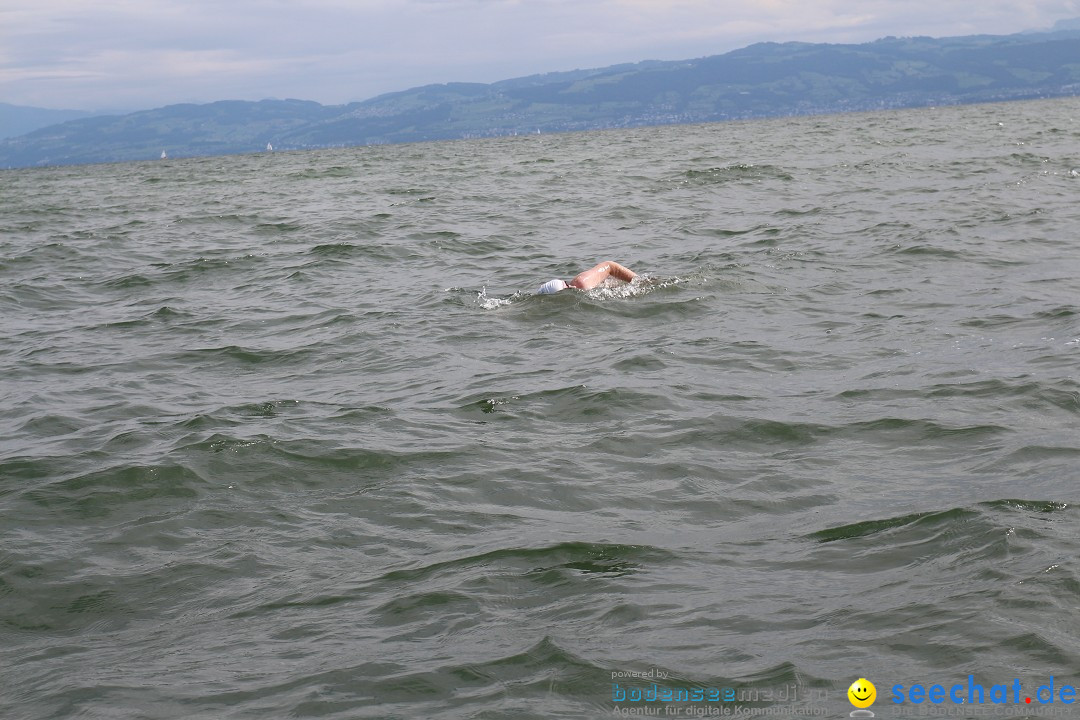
x=760 y=81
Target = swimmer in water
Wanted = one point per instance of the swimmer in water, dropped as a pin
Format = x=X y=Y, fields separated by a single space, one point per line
x=590 y=278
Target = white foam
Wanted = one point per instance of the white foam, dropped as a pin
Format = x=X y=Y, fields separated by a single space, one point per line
x=490 y=303
x=612 y=289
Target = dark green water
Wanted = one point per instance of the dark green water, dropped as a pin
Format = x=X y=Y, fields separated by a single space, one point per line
x=289 y=435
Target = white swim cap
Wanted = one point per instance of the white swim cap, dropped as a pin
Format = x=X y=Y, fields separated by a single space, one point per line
x=551 y=286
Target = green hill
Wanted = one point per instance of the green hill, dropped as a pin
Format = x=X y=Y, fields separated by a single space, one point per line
x=18 y=120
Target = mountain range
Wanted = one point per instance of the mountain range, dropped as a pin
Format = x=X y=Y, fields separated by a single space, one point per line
x=762 y=80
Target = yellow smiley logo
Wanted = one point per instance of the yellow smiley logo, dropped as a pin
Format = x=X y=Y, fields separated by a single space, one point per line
x=862 y=693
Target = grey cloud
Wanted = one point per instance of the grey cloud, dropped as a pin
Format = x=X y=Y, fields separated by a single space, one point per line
x=69 y=53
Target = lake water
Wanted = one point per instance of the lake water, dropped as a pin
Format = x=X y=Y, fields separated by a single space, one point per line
x=289 y=434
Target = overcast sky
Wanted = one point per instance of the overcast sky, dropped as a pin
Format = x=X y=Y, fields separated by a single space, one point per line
x=137 y=54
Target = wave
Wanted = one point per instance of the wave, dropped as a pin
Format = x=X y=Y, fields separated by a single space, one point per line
x=739 y=172
x=641 y=286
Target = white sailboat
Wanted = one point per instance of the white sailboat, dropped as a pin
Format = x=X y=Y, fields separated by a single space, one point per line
x=269 y=147
x=164 y=155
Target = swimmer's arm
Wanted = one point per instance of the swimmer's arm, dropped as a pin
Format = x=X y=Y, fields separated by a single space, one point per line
x=596 y=275
x=622 y=273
